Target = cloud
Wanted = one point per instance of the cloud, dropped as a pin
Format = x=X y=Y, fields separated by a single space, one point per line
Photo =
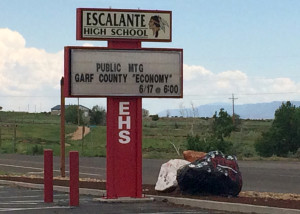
x=202 y=86
x=28 y=76
x=192 y=71
x=24 y=70
x=10 y=40
x=200 y=83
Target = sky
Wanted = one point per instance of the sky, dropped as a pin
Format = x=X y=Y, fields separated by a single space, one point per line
x=248 y=48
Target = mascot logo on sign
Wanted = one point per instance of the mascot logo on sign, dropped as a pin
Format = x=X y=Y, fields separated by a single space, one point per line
x=156 y=24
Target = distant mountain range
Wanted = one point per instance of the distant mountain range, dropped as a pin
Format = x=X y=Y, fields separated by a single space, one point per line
x=246 y=111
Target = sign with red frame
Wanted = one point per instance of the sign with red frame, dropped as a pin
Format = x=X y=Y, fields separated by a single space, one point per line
x=116 y=24
x=103 y=72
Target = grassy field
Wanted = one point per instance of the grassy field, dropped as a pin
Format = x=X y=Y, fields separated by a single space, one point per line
x=30 y=133
x=166 y=134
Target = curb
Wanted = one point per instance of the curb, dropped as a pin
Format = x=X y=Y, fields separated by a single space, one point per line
x=225 y=206
x=204 y=204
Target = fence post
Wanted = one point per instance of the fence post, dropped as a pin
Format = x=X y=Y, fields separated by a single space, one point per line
x=82 y=140
x=0 y=137
x=48 y=176
x=15 y=137
x=74 y=178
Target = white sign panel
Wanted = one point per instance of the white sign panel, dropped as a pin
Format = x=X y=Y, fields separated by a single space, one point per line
x=103 y=24
x=107 y=72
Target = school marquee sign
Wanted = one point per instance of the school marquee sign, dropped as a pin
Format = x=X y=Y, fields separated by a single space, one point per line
x=103 y=72
x=111 y=24
x=124 y=72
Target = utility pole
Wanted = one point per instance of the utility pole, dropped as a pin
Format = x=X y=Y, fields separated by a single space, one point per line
x=15 y=137
x=233 y=116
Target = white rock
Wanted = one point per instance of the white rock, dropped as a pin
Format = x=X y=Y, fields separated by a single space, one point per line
x=168 y=173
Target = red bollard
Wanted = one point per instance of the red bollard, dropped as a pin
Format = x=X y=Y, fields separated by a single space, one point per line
x=74 y=178
x=48 y=176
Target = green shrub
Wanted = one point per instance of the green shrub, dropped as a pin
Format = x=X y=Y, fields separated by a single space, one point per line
x=283 y=138
x=220 y=145
x=155 y=117
x=264 y=146
x=207 y=145
x=37 y=150
x=194 y=143
x=243 y=150
x=176 y=125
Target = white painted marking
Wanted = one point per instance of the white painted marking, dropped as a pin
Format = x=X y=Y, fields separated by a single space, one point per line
x=31 y=208
x=175 y=212
x=6 y=159
x=31 y=196
x=33 y=162
x=82 y=173
x=29 y=201
x=14 y=203
x=28 y=196
x=24 y=167
x=91 y=167
x=34 y=168
x=35 y=173
x=36 y=190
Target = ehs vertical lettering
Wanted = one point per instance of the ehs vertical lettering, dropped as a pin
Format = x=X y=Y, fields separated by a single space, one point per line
x=124 y=123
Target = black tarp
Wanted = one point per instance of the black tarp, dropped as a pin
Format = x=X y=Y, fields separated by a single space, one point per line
x=215 y=174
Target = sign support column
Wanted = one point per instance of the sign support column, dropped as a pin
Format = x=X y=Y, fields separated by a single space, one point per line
x=62 y=130
x=124 y=147
x=124 y=141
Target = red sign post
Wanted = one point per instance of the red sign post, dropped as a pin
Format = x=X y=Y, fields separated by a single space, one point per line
x=48 y=176
x=124 y=73
x=124 y=147
x=74 y=178
x=124 y=141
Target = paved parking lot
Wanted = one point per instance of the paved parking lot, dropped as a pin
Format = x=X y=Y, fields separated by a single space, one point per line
x=15 y=199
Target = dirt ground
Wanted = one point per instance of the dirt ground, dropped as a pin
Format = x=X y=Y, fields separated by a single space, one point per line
x=281 y=200
x=77 y=135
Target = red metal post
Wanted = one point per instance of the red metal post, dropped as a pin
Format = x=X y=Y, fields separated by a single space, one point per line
x=139 y=137
x=124 y=140
x=124 y=147
x=48 y=176
x=74 y=178
x=62 y=129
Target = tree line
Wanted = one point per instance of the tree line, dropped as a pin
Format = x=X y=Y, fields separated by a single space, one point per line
x=282 y=139
x=95 y=116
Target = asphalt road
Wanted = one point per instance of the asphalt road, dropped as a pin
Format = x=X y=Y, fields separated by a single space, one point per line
x=263 y=176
